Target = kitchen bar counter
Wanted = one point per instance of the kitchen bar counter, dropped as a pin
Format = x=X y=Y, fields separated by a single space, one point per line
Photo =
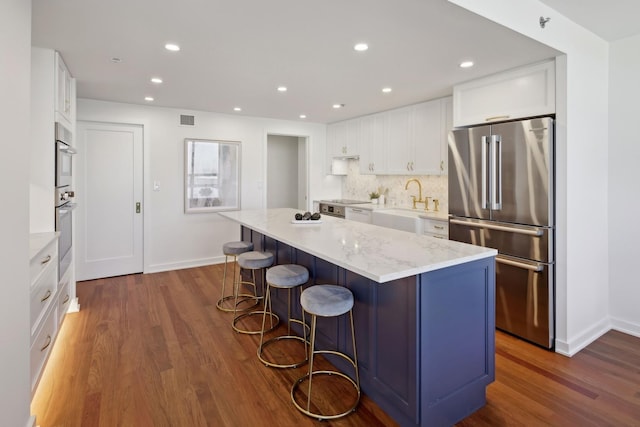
x=424 y=309
x=378 y=253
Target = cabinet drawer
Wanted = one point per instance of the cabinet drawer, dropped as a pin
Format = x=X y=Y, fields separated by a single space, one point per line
x=64 y=299
x=435 y=227
x=43 y=293
x=47 y=257
x=42 y=345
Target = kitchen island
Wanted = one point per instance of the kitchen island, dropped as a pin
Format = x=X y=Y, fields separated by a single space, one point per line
x=424 y=309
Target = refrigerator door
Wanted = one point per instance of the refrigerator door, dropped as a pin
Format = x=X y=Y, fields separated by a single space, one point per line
x=468 y=172
x=523 y=241
x=521 y=178
x=524 y=299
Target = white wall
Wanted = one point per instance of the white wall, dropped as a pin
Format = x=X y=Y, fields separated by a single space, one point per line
x=15 y=32
x=173 y=239
x=282 y=171
x=624 y=174
x=582 y=290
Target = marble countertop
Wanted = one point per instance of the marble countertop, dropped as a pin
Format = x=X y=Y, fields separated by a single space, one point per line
x=378 y=253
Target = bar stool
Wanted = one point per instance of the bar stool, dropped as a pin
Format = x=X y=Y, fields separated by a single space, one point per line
x=253 y=260
x=232 y=249
x=327 y=301
x=285 y=276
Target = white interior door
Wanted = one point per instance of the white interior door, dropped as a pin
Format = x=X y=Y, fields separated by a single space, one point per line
x=109 y=232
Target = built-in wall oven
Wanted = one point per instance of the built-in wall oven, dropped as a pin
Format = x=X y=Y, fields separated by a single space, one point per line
x=63 y=197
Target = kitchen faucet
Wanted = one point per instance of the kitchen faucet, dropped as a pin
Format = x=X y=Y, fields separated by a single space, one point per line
x=406 y=187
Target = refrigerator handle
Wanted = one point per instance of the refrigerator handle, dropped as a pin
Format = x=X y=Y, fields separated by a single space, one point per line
x=496 y=173
x=529 y=231
x=485 y=173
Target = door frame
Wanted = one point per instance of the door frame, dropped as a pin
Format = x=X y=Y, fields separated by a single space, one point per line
x=308 y=203
x=146 y=178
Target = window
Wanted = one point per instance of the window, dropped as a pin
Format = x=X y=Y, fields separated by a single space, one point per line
x=212 y=175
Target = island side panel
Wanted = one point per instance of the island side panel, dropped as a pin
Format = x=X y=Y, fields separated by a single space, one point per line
x=457 y=341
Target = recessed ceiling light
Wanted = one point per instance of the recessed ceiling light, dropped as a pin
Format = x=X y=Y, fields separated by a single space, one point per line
x=116 y=60
x=466 y=64
x=172 y=47
x=148 y=98
x=303 y=116
x=237 y=109
x=361 y=47
x=336 y=106
x=386 y=89
x=282 y=88
x=156 y=80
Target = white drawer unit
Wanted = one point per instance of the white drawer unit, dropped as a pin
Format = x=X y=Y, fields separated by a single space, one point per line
x=42 y=343
x=358 y=214
x=435 y=228
x=43 y=293
x=64 y=298
x=44 y=300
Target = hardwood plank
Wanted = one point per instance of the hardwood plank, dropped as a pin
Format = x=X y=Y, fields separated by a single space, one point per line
x=153 y=350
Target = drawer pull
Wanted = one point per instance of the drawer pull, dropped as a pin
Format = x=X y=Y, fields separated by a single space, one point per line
x=45 y=260
x=438 y=227
x=47 y=344
x=46 y=296
x=490 y=119
x=66 y=299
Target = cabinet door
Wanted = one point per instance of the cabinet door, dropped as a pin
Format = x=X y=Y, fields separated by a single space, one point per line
x=63 y=89
x=372 y=145
x=352 y=138
x=397 y=141
x=523 y=92
x=336 y=137
x=446 y=113
x=426 y=138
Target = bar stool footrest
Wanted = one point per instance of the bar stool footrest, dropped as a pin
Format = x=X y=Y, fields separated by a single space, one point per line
x=253 y=313
x=220 y=304
x=322 y=417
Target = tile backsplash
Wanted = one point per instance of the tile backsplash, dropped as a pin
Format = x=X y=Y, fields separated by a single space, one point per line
x=357 y=186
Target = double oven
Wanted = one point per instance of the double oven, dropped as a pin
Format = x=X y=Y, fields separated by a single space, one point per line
x=64 y=196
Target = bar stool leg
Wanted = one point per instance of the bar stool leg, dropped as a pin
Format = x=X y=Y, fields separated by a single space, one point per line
x=266 y=307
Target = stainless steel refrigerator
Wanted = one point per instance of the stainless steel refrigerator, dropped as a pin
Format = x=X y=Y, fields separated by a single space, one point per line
x=501 y=195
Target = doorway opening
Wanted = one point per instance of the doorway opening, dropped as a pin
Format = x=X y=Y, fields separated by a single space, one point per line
x=287 y=182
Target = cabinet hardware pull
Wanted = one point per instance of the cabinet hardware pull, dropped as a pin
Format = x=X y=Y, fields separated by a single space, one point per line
x=45 y=260
x=490 y=119
x=533 y=267
x=438 y=227
x=535 y=232
x=46 y=296
x=66 y=299
x=47 y=344
x=537 y=129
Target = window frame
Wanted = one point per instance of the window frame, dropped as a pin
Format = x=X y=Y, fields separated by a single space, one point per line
x=190 y=176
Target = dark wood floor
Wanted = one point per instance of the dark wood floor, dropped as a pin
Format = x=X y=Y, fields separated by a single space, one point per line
x=152 y=350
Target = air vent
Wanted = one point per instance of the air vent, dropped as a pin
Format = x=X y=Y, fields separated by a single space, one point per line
x=187 y=120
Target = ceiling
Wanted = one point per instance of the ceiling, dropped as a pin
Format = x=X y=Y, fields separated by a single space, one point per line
x=236 y=53
x=611 y=20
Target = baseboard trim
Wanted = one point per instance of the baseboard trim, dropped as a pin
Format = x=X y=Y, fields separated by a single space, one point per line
x=74 y=306
x=584 y=339
x=625 y=326
x=157 y=268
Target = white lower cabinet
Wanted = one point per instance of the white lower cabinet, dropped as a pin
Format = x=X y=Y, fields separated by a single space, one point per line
x=45 y=297
x=435 y=228
x=357 y=214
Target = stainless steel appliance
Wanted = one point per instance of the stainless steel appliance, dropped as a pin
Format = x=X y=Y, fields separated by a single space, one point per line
x=336 y=207
x=64 y=154
x=63 y=196
x=501 y=195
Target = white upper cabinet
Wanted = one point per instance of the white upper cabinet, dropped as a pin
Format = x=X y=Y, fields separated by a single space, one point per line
x=64 y=93
x=522 y=92
x=410 y=140
x=372 y=146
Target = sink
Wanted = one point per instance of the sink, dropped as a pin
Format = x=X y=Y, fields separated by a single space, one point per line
x=399 y=219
